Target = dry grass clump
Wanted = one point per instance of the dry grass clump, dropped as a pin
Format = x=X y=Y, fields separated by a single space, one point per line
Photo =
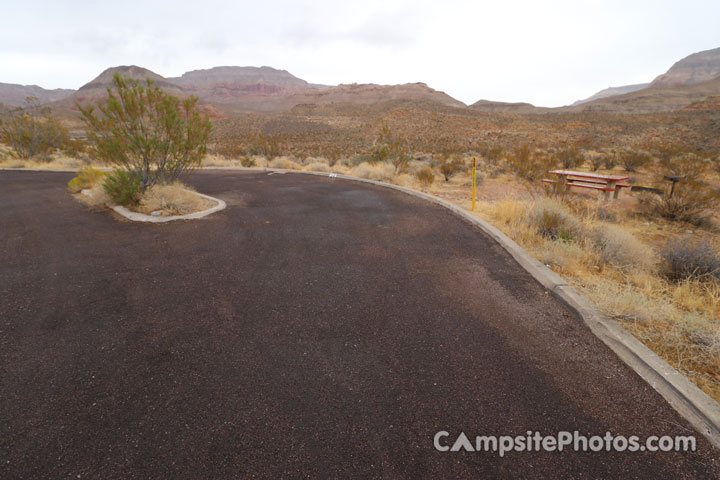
x=284 y=163
x=425 y=176
x=318 y=167
x=174 y=199
x=50 y=161
x=553 y=220
x=96 y=196
x=620 y=248
x=381 y=171
x=687 y=339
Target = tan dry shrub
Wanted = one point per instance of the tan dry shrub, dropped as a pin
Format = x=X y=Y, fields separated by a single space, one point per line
x=620 y=248
x=284 y=163
x=553 y=220
x=382 y=171
x=172 y=199
x=425 y=176
x=96 y=196
x=319 y=167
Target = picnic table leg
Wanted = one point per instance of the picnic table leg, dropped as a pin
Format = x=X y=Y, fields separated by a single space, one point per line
x=616 y=193
x=612 y=184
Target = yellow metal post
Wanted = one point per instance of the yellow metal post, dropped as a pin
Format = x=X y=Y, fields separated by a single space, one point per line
x=473 y=183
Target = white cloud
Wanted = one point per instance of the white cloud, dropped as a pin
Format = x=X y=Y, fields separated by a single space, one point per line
x=547 y=53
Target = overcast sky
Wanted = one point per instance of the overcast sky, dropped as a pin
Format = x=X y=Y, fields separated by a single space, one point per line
x=548 y=53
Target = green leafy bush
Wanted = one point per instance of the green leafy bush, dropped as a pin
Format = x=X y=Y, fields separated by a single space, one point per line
x=86 y=177
x=123 y=187
x=247 y=161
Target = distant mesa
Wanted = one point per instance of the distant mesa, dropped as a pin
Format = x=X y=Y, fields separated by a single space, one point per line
x=503 y=107
x=612 y=91
x=694 y=69
x=13 y=95
x=370 y=93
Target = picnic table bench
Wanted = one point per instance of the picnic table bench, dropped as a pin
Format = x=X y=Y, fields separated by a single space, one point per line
x=596 y=181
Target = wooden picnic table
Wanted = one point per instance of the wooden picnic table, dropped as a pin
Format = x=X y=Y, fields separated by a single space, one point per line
x=597 y=181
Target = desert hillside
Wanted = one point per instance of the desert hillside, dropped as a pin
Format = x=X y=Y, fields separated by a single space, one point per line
x=14 y=95
x=697 y=68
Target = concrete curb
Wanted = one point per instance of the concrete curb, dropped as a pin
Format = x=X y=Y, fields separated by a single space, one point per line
x=141 y=217
x=688 y=400
x=698 y=408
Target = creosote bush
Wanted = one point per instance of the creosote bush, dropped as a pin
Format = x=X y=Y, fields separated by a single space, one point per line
x=450 y=167
x=31 y=131
x=570 y=158
x=123 y=187
x=684 y=259
x=393 y=148
x=147 y=132
x=631 y=160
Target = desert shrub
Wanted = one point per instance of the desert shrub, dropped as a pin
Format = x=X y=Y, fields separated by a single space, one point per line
x=319 y=167
x=605 y=214
x=86 y=177
x=450 y=166
x=610 y=160
x=74 y=147
x=687 y=203
x=596 y=160
x=31 y=131
x=631 y=160
x=688 y=166
x=552 y=219
x=425 y=176
x=685 y=259
x=172 y=199
x=247 y=161
x=382 y=172
x=284 y=163
x=530 y=166
x=569 y=158
x=392 y=148
x=147 y=131
x=123 y=187
x=494 y=155
x=620 y=248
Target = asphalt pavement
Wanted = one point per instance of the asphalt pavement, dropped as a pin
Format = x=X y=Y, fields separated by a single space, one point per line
x=315 y=328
